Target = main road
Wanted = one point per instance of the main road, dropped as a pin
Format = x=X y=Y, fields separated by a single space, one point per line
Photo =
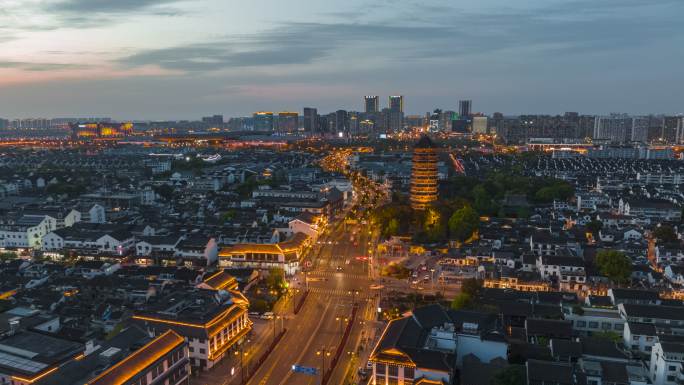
x=337 y=281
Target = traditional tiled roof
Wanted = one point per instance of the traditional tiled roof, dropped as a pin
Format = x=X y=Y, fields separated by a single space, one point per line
x=132 y=365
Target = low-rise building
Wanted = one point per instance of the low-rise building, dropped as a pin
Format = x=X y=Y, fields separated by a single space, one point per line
x=213 y=322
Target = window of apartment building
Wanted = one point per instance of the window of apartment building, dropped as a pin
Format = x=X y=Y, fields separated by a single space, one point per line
x=671 y=368
x=635 y=338
x=393 y=370
x=581 y=324
x=409 y=372
x=593 y=325
x=618 y=327
x=606 y=326
x=380 y=368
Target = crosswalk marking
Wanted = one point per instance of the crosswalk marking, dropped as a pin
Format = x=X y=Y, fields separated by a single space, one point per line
x=333 y=292
x=336 y=274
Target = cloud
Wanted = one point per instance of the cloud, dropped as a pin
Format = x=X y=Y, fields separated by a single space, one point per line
x=440 y=33
x=41 y=67
x=105 y=6
x=291 y=43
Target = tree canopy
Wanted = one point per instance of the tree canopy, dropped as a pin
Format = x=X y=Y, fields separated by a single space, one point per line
x=615 y=265
x=463 y=223
x=511 y=375
x=665 y=233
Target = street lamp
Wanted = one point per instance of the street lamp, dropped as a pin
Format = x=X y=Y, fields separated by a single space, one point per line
x=353 y=293
x=277 y=317
x=294 y=300
x=342 y=321
x=242 y=354
x=433 y=278
x=323 y=353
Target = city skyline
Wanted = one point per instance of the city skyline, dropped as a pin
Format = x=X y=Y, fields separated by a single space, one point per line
x=182 y=59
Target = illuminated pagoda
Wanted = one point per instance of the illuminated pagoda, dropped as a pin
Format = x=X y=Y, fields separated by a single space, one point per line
x=424 y=174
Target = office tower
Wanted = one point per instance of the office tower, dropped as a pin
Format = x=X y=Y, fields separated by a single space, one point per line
x=366 y=126
x=372 y=104
x=423 y=174
x=310 y=120
x=446 y=119
x=341 y=121
x=354 y=122
x=4 y=124
x=263 y=121
x=396 y=103
x=480 y=125
x=434 y=120
x=465 y=108
x=288 y=121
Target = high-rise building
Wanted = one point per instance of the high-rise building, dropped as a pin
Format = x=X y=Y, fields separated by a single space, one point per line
x=288 y=121
x=263 y=121
x=310 y=119
x=616 y=128
x=465 y=108
x=446 y=120
x=354 y=122
x=4 y=124
x=434 y=120
x=424 y=174
x=372 y=104
x=366 y=126
x=480 y=125
x=414 y=121
x=679 y=137
x=669 y=129
x=213 y=121
x=341 y=121
x=396 y=103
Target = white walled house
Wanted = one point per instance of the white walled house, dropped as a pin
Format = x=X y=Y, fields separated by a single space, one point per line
x=306 y=223
x=27 y=231
x=198 y=250
x=89 y=242
x=640 y=337
x=666 y=363
x=674 y=274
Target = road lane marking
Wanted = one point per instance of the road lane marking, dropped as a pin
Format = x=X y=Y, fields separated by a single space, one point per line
x=310 y=340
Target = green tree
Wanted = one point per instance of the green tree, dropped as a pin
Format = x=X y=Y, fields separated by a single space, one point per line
x=484 y=203
x=165 y=191
x=511 y=375
x=463 y=223
x=276 y=280
x=615 y=265
x=462 y=301
x=393 y=227
x=665 y=233
x=471 y=286
x=608 y=335
x=595 y=226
